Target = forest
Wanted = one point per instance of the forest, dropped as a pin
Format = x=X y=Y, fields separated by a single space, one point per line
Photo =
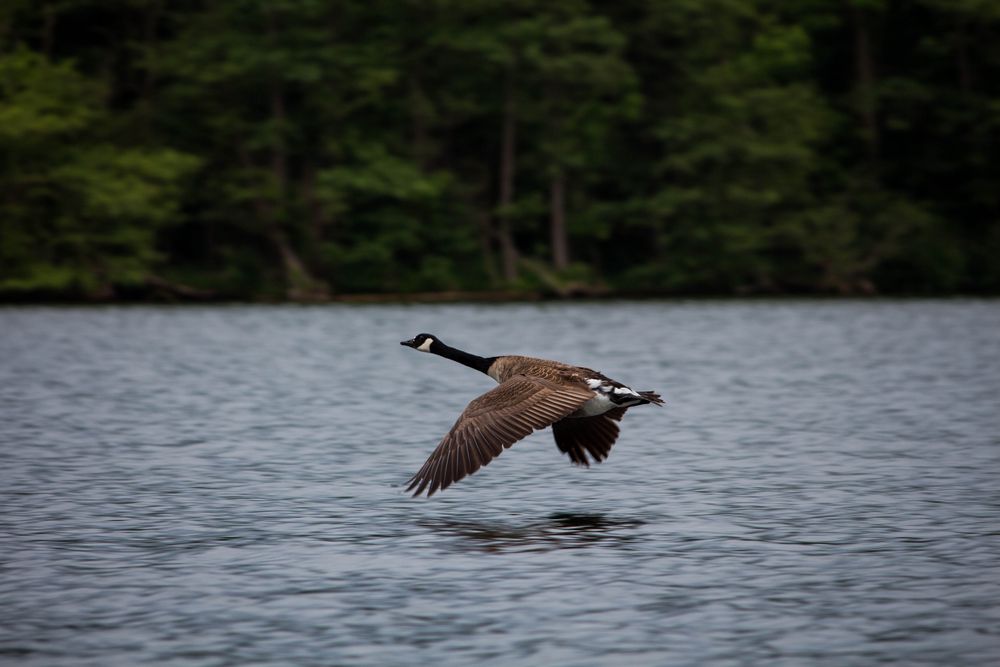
x=310 y=149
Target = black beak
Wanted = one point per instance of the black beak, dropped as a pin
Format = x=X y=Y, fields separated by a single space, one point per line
x=409 y=343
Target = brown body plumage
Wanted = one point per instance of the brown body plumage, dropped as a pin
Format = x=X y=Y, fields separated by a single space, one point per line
x=582 y=406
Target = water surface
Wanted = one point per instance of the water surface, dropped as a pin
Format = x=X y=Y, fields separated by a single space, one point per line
x=221 y=486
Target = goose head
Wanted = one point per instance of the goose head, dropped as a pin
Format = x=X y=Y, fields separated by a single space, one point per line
x=421 y=342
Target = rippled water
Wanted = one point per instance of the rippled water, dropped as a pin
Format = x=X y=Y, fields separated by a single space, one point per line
x=220 y=485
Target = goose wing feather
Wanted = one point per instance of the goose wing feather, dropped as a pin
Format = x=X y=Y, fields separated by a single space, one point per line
x=494 y=421
x=581 y=435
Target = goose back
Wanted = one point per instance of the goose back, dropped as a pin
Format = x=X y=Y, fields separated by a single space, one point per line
x=508 y=366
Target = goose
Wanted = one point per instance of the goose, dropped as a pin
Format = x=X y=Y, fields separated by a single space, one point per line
x=582 y=406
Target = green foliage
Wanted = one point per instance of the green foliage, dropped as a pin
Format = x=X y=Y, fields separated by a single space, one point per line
x=81 y=214
x=739 y=153
x=41 y=101
x=260 y=149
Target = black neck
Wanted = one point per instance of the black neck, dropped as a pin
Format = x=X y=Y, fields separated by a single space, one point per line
x=481 y=364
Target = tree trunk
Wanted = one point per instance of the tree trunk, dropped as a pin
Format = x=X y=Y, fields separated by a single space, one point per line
x=508 y=143
x=560 y=242
x=865 y=67
x=319 y=219
x=300 y=285
x=279 y=162
x=149 y=36
x=48 y=29
x=962 y=58
x=419 y=138
x=486 y=235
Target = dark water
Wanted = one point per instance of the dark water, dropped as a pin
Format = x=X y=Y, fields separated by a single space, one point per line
x=219 y=486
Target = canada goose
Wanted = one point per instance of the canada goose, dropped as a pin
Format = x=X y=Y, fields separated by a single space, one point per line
x=580 y=404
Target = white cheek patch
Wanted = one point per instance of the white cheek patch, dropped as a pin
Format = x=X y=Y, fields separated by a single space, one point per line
x=426 y=345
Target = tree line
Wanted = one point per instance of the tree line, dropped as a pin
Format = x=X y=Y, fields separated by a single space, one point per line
x=303 y=149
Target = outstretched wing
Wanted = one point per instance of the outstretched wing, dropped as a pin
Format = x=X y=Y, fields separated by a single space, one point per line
x=493 y=422
x=595 y=435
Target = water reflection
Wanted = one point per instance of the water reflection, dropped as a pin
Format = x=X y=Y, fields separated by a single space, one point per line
x=562 y=530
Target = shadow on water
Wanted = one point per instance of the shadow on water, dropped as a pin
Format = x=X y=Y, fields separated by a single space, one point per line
x=564 y=530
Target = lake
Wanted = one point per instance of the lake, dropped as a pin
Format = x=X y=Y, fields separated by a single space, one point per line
x=222 y=485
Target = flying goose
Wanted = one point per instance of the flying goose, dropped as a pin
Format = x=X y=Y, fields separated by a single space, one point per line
x=580 y=404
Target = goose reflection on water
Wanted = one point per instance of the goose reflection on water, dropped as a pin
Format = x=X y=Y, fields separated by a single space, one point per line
x=563 y=530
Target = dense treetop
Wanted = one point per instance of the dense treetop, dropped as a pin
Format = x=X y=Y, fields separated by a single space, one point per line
x=304 y=149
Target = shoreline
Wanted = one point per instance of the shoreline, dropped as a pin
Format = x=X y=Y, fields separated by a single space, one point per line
x=474 y=297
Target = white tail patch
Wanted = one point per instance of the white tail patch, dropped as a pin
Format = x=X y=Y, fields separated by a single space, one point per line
x=605 y=387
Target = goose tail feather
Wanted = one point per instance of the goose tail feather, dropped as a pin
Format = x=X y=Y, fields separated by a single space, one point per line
x=652 y=397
